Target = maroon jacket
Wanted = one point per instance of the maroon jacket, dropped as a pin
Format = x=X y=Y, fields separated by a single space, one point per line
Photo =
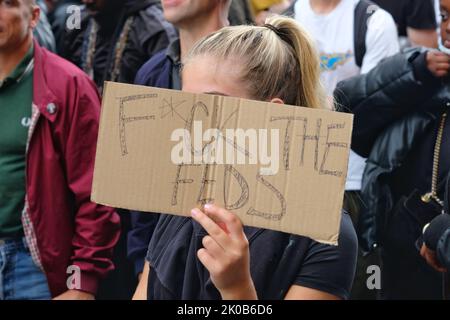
x=62 y=226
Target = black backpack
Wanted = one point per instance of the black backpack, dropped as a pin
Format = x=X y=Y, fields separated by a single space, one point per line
x=363 y=11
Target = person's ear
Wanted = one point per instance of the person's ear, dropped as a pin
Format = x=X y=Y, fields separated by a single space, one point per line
x=277 y=100
x=35 y=14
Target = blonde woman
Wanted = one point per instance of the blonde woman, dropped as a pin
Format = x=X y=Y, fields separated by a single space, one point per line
x=211 y=255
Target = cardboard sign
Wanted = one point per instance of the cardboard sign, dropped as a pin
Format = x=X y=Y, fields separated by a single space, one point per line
x=277 y=167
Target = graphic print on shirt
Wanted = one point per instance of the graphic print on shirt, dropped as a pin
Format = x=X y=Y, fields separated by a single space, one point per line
x=331 y=61
x=25 y=122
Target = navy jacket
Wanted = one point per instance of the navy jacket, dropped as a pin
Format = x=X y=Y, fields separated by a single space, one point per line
x=154 y=73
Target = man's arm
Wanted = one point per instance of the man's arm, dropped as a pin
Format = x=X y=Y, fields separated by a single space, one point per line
x=421 y=23
x=96 y=227
x=423 y=38
x=141 y=290
x=381 y=40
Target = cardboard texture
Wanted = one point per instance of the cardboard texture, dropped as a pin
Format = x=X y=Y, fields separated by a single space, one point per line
x=142 y=128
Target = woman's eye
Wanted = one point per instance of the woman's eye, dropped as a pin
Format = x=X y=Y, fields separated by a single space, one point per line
x=444 y=16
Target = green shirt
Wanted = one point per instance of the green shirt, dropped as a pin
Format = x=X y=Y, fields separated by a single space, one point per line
x=16 y=96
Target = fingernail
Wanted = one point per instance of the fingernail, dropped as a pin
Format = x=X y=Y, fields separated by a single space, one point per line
x=208 y=206
x=194 y=212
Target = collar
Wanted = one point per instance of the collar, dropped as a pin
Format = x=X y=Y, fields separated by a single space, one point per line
x=24 y=68
x=43 y=96
x=174 y=52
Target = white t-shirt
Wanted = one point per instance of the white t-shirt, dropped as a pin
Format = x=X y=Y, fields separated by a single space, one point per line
x=334 y=37
x=438 y=13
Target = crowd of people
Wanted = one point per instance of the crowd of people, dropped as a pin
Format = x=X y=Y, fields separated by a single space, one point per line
x=386 y=62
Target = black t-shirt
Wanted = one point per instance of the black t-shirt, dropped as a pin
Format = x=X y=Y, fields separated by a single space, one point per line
x=416 y=14
x=277 y=261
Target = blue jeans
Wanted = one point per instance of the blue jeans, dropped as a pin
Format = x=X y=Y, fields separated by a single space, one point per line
x=20 y=278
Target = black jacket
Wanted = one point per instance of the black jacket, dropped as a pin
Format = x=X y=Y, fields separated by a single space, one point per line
x=437 y=235
x=397 y=108
x=443 y=249
x=150 y=33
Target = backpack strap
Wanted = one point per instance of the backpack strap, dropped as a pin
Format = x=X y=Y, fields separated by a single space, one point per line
x=363 y=11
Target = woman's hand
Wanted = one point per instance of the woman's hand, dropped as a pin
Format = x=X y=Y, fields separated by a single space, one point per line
x=226 y=253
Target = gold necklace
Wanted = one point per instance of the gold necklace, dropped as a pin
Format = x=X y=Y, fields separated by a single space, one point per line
x=437 y=149
x=119 y=48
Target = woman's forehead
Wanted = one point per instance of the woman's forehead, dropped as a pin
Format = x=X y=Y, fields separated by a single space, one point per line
x=207 y=74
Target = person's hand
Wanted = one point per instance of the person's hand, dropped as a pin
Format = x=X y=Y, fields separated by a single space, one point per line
x=225 y=253
x=430 y=257
x=75 y=295
x=438 y=63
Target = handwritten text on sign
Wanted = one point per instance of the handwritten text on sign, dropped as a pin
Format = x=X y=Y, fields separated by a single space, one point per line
x=278 y=167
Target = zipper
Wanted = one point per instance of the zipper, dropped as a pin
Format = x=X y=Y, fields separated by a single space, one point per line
x=30 y=234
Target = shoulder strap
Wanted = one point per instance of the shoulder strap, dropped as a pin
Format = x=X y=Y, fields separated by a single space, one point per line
x=363 y=11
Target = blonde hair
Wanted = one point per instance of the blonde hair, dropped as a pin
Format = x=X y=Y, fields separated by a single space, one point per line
x=279 y=60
